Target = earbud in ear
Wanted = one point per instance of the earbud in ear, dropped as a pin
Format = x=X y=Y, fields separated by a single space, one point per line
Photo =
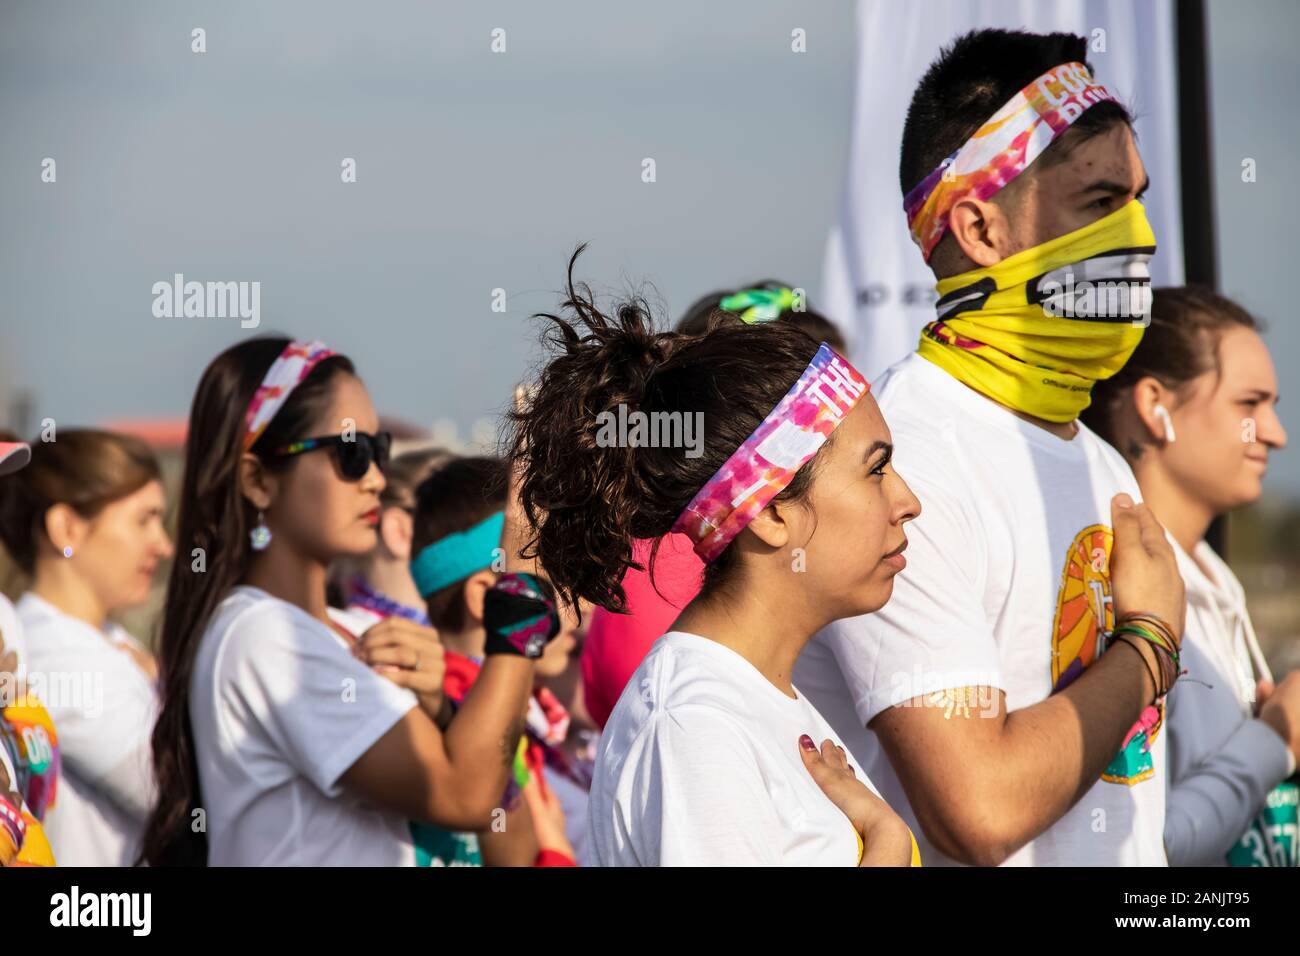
x=1162 y=413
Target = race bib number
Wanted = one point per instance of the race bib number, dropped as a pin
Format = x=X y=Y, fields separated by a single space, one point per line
x=1271 y=839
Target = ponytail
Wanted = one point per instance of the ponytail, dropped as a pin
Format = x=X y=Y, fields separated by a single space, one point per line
x=588 y=499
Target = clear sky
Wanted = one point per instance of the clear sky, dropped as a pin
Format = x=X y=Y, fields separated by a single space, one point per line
x=475 y=171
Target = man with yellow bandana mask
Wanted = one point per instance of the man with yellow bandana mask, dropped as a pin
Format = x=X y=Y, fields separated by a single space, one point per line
x=979 y=698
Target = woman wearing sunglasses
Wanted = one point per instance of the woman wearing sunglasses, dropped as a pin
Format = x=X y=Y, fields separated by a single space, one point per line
x=379 y=585
x=283 y=740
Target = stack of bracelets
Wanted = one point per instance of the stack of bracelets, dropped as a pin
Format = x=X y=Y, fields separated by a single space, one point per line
x=1139 y=625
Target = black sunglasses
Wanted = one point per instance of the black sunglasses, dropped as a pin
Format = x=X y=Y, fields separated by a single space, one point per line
x=354 y=453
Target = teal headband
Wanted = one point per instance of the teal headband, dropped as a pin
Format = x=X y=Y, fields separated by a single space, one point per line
x=759 y=305
x=457 y=556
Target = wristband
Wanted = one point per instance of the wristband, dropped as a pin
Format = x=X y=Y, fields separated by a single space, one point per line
x=519 y=615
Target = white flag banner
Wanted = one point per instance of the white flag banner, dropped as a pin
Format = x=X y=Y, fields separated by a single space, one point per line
x=875 y=285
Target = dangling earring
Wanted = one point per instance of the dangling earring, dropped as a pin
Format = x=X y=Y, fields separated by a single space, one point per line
x=260 y=537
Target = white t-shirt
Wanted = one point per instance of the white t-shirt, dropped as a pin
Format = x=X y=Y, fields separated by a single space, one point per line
x=103 y=707
x=699 y=764
x=280 y=710
x=1222 y=762
x=1007 y=574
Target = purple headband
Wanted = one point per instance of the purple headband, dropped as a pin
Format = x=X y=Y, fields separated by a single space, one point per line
x=767 y=461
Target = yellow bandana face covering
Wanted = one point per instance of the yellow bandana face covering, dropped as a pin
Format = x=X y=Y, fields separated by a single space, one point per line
x=1035 y=331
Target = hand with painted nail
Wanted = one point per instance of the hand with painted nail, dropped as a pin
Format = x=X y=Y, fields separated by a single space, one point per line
x=886 y=839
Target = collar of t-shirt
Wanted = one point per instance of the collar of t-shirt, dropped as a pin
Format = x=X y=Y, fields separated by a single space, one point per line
x=1214 y=595
x=1225 y=584
x=1231 y=595
x=735 y=664
x=45 y=614
x=948 y=390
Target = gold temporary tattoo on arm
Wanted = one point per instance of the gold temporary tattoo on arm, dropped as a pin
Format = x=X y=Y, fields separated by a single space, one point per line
x=954 y=700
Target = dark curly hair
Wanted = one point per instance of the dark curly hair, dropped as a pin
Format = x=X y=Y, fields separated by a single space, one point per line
x=586 y=502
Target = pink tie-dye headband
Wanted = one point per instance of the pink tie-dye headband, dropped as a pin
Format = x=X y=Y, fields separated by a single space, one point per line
x=285 y=374
x=768 y=459
x=1001 y=149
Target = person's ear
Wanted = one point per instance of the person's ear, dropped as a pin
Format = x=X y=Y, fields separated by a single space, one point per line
x=772 y=524
x=396 y=529
x=65 y=528
x=980 y=230
x=1151 y=402
x=256 y=484
x=475 y=593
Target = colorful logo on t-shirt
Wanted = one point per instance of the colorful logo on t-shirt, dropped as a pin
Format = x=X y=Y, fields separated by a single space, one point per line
x=1085 y=614
x=28 y=734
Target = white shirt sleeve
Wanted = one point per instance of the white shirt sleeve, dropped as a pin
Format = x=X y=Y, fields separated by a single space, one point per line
x=1212 y=805
x=320 y=707
x=933 y=634
x=699 y=799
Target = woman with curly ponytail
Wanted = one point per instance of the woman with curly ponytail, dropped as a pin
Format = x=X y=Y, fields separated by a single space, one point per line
x=711 y=755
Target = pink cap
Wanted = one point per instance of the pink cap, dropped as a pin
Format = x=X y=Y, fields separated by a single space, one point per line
x=14 y=455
